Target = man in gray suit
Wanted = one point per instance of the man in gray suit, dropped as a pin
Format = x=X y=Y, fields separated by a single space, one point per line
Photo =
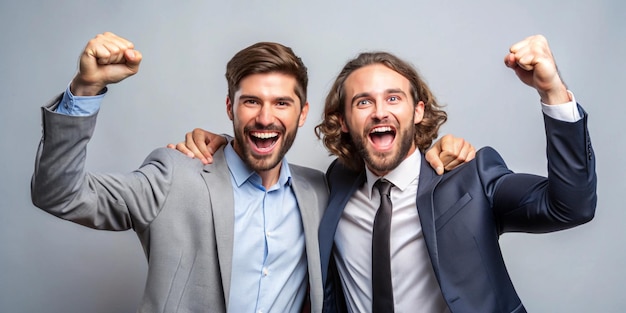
x=201 y=226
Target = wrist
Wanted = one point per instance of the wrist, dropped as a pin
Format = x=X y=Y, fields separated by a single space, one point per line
x=79 y=87
x=557 y=95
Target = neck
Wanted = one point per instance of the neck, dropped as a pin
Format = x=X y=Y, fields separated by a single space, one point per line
x=270 y=177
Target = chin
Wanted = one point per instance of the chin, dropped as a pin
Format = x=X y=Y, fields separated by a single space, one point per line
x=262 y=164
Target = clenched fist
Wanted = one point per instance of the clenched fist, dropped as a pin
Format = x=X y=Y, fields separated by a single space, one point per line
x=107 y=59
x=532 y=61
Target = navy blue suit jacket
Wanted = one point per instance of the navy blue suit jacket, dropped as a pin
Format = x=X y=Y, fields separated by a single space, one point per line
x=463 y=213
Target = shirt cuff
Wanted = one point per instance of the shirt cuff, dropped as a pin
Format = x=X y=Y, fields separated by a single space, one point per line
x=79 y=105
x=566 y=112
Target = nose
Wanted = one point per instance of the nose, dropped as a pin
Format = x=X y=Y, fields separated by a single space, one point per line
x=380 y=110
x=265 y=116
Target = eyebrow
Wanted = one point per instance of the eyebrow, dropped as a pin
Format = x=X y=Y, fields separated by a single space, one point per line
x=287 y=99
x=367 y=94
x=251 y=97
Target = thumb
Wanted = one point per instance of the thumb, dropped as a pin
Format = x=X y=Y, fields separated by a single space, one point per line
x=133 y=59
x=432 y=157
x=437 y=165
x=509 y=60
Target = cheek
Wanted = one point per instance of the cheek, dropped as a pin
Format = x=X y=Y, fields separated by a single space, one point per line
x=236 y=123
x=290 y=119
x=292 y=122
x=357 y=121
x=347 y=123
x=244 y=115
x=405 y=115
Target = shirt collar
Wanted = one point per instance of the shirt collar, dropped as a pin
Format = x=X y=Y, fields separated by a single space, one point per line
x=242 y=173
x=401 y=177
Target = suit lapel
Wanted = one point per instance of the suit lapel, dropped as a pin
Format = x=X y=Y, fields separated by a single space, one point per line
x=309 y=206
x=307 y=201
x=342 y=188
x=428 y=180
x=218 y=180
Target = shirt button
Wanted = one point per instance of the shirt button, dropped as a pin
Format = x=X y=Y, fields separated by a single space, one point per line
x=268 y=233
x=265 y=271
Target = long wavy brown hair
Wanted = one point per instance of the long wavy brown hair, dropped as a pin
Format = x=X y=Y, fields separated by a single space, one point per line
x=340 y=144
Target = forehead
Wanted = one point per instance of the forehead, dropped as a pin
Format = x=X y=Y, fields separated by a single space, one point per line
x=375 y=78
x=273 y=84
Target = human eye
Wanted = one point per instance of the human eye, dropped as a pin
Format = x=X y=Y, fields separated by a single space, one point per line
x=362 y=102
x=250 y=101
x=393 y=99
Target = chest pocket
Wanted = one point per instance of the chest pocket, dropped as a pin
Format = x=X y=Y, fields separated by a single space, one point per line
x=452 y=211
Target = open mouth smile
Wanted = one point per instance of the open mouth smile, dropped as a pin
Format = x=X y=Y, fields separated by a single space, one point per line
x=382 y=137
x=263 y=142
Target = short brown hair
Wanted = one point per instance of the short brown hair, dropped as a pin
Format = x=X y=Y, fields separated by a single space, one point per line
x=340 y=143
x=266 y=57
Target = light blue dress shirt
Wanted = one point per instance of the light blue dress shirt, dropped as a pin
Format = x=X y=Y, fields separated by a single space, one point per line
x=269 y=263
x=79 y=106
x=269 y=267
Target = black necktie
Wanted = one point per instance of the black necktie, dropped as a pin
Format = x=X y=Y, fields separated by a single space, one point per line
x=382 y=290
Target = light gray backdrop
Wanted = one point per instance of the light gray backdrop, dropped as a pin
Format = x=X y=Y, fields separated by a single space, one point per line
x=50 y=265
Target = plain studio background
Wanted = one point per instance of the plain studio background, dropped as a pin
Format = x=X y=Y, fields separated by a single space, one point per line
x=50 y=265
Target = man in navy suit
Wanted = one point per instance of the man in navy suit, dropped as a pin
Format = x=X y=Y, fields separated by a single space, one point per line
x=444 y=254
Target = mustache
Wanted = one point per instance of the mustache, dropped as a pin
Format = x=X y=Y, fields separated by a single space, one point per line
x=259 y=127
x=377 y=122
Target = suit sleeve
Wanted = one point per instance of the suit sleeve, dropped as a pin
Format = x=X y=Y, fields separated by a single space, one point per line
x=61 y=186
x=566 y=198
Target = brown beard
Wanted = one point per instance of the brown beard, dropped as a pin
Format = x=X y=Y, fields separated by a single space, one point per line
x=266 y=162
x=388 y=162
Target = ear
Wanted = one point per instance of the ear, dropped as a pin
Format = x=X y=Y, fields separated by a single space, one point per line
x=303 y=114
x=229 y=108
x=344 y=126
x=419 y=113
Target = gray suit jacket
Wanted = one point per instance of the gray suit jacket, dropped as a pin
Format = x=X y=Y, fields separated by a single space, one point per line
x=181 y=210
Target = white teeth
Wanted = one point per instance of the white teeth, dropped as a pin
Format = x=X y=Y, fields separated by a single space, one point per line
x=381 y=129
x=264 y=135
